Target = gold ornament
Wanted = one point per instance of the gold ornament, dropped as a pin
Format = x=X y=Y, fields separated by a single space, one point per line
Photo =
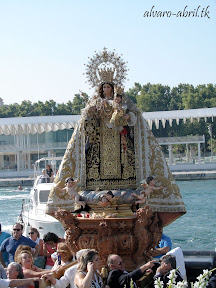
x=118 y=90
x=106 y=67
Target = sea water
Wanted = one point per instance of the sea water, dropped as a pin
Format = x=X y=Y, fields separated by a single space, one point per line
x=194 y=230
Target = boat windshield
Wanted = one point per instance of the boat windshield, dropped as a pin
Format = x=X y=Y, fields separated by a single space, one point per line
x=43 y=196
x=43 y=180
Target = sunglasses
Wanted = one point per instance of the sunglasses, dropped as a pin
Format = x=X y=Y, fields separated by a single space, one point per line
x=16 y=229
x=120 y=263
x=30 y=233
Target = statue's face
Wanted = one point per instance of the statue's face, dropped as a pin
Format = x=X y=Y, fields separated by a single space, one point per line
x=70 y=183
x=107 y=90
x=118 y=100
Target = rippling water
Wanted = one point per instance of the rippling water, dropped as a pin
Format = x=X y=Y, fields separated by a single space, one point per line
x=194 y=230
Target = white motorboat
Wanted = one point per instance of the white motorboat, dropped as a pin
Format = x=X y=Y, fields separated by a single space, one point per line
x=33 y=209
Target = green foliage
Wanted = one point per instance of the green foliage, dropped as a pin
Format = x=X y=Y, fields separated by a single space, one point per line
x=49 y=108
x=78 y=103
x=157 y=97
x=213 y=145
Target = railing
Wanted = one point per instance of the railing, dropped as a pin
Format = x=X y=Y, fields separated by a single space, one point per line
x=33 y=147
x=182 y=158
x=28 y=205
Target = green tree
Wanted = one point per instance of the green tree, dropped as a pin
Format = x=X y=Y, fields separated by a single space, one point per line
x=134 y=92
x=25 y=109
x=78 y=103
x=154 y=98
x=213 y=145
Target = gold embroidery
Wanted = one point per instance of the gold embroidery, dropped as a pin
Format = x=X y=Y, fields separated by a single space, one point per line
x=109 y=184
x=109 y=155
x=110 y=152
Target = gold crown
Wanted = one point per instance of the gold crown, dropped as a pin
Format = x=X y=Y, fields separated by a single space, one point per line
x=116 y=74
x=106 y=74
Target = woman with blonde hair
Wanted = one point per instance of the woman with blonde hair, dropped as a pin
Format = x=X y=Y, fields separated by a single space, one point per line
x=29 y=269
x=34 y=235
x=87 y=275
x=65 y=256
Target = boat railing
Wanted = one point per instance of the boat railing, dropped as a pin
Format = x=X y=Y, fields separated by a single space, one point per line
x=28 y=206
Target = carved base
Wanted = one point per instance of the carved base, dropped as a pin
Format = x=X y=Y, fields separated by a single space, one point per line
x=131 y=238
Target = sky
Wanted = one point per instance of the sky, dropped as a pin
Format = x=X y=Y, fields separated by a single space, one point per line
x=44 y=44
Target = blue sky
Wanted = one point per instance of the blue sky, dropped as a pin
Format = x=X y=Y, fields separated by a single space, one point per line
x=44 y=44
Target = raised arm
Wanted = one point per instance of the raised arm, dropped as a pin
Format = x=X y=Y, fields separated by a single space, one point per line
x=84 y=281
x=157 y=188
x=37 y=248
x=20 y=282
x=28 y=273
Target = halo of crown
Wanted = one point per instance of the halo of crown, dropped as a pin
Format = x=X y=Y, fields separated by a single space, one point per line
x=97 y=75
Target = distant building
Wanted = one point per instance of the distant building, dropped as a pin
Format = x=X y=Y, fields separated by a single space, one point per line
x=23 y=140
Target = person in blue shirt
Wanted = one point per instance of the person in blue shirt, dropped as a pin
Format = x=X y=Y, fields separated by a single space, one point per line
x=3 y=236
x=10 y=244
x=164 y=246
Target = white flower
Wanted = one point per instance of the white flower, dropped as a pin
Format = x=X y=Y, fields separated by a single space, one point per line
x=158 y=283
x=182 y=284
x=172 y=274
x=207 y=272
x=201 y=283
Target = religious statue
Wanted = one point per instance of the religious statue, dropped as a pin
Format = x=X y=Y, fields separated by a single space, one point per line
x=113 y=149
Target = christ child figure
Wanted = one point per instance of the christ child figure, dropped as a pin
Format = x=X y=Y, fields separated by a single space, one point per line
x=119 y=117
x=106 y=199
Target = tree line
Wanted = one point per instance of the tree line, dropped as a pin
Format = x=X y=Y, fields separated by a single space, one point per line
x=157 y=97
x=148 y=97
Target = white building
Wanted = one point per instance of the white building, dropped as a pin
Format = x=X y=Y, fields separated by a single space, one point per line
x=23 y=140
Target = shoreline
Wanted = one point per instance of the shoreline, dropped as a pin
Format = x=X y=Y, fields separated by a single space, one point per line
x=179 y=176
x=194 y=175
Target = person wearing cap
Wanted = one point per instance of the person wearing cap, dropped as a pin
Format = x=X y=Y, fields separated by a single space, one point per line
x=10 y=244
x=3 y=236
x=69 y=274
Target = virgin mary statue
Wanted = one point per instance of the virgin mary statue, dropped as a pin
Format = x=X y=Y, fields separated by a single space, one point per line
x=112 y=148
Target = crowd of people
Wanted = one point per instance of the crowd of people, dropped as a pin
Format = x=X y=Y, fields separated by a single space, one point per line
x=30 y=261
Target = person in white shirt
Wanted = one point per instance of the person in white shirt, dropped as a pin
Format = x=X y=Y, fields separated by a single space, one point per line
x=69 y=274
